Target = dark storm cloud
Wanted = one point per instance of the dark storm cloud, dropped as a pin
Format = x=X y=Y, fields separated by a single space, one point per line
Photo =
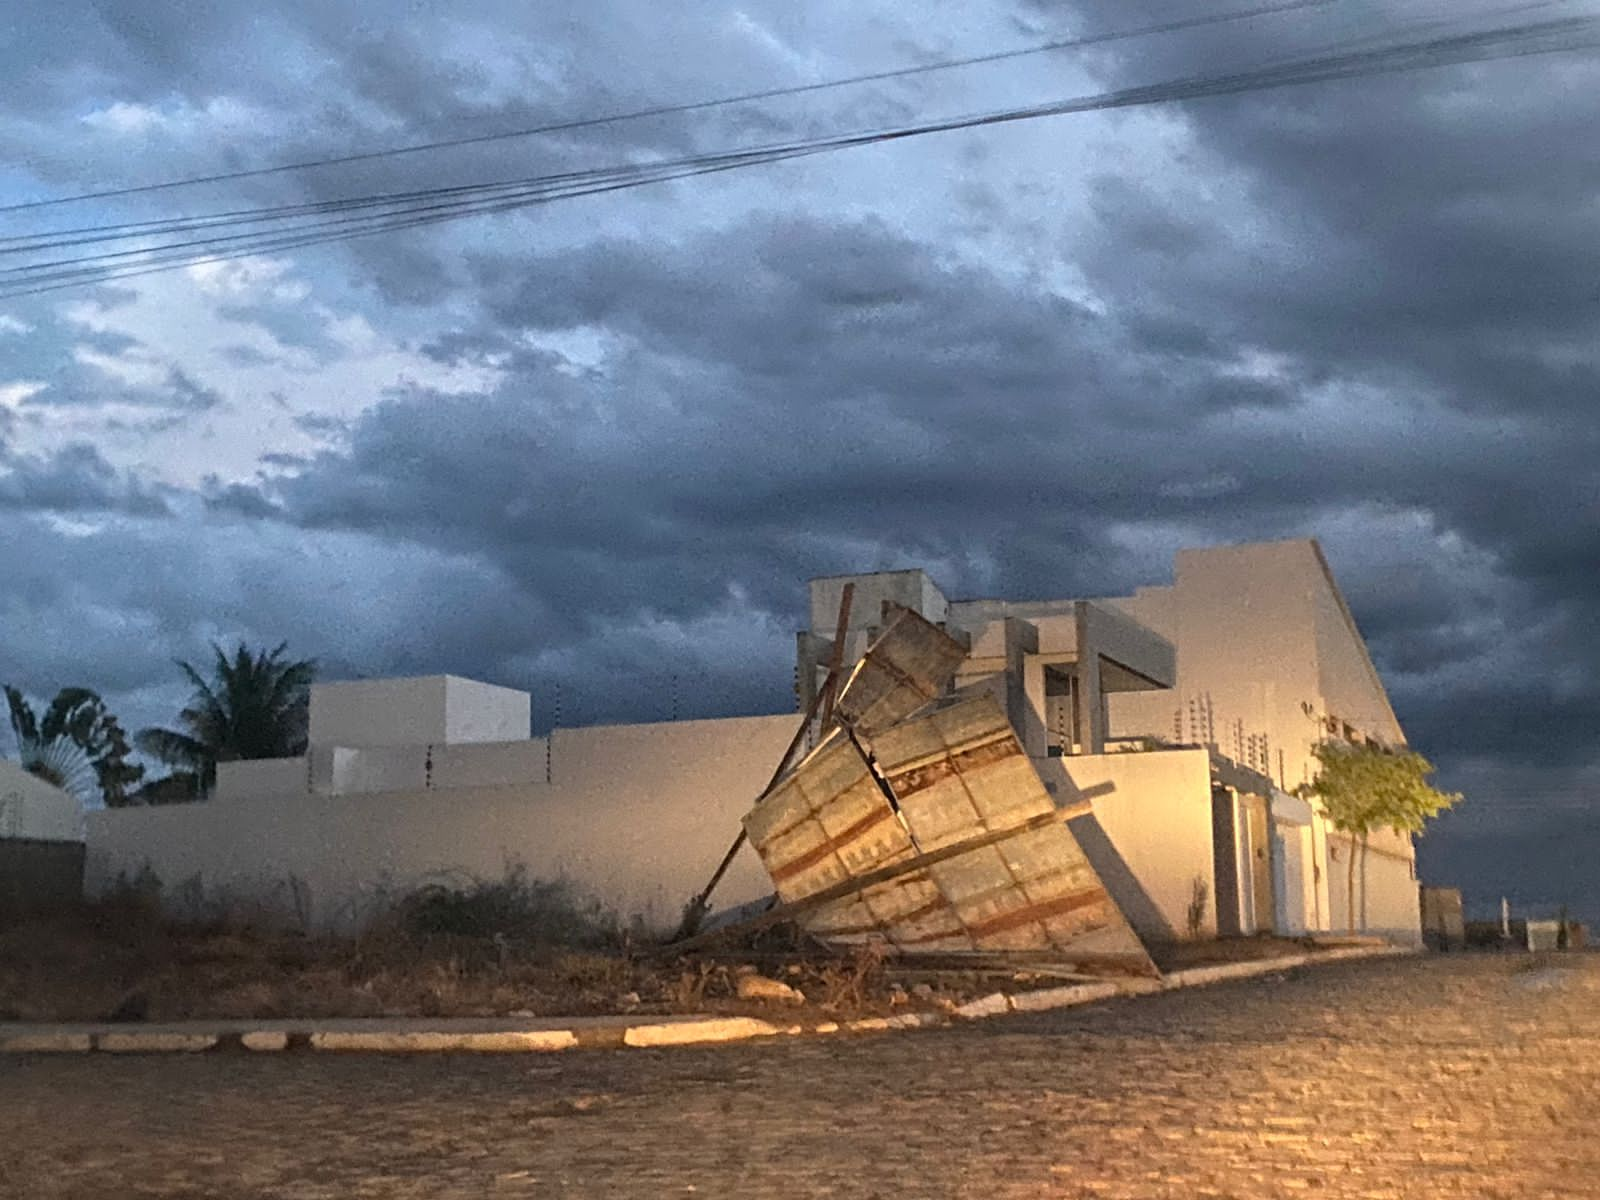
x=1438 y=230
x=74 y=480
x=86 y=385
x=1431 y=239
x=239 y=500
x=816 y=384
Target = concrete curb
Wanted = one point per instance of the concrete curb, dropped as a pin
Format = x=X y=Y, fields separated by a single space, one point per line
x=553 y=1036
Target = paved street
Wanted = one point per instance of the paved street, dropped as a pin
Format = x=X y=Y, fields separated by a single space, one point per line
x=1454 y=1076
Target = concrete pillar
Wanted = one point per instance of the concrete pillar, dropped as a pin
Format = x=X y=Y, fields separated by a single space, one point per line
x=1228 y=899
x=1091 y=724
x=1033 y=687
x=811 y=652
x=1028 y=719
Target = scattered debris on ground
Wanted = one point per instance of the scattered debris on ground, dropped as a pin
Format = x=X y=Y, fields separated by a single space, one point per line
x=120 y=960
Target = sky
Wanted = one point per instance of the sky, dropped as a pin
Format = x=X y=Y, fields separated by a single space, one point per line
x=596 y=448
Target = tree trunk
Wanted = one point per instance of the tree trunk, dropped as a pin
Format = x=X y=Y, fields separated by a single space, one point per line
x=1363 y=881
x=1350 y=887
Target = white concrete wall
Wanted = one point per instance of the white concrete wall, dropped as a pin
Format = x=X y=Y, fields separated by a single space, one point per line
x=965 y=612
x=1262 y=634
x=1058 y=634
x=1393 y=904
x=351 y=770
x=638 y=816
x=32 y=808
x=491 y=764
x=1114 y=635
x=340 y=770
x=1348 y=683
x=1152 y=811
x=482 y=712
x=379 y=712
x=1242 y=620
x=254 y=778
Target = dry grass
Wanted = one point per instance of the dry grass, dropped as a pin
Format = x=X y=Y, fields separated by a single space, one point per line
x=94 y=966
x=509 y=947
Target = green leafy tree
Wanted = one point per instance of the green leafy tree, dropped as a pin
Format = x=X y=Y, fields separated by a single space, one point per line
x=1362 y=788
x=80 y=716
x=255 y=705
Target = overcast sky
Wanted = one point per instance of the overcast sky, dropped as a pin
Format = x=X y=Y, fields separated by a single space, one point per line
x=596 y=449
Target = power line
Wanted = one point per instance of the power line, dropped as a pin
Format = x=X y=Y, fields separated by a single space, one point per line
x=662 y=110
x=82 y=235
x=1482 y=45
x=1298 y=71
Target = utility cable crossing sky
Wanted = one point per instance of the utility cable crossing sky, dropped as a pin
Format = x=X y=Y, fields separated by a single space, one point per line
x=145 y=247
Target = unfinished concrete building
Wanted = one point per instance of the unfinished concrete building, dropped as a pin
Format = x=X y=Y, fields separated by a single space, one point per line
x=1186 y=714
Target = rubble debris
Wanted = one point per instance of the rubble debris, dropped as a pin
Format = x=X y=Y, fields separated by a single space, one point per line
x=759 y=987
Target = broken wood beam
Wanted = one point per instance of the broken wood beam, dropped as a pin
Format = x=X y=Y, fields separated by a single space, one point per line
x=694 y=912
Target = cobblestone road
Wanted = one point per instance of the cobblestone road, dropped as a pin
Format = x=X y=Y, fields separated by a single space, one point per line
x=1454 y=1076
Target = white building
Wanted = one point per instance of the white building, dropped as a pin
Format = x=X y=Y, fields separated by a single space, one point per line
x=1234 y=670
x=35 y=811
x=41 y=842
x=1237 y=667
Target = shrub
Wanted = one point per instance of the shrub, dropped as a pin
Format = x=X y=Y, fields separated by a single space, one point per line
x=1199 y=900
x=514 y=908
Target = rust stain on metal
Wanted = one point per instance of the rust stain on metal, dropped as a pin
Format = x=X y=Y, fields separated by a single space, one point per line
x=812 y=857
x=915 y=779
x=829 y=821
x=960 y=769
x=1041 y=912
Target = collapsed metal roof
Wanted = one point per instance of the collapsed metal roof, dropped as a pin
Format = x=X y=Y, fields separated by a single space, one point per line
x=931 y=804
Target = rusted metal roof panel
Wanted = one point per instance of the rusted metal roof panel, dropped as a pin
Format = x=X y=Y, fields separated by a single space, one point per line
x=830 y=820
x=911 y=663
x=959 y=771
x=956 y=774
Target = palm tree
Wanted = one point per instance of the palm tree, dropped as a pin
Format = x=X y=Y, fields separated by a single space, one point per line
x=256 y=705
x=77 y=717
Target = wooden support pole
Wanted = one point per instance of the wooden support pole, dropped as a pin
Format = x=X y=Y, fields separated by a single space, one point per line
x=841 y=629
x=695 y=911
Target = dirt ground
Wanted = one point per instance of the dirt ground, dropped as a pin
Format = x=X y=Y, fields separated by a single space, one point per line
x=123 y=962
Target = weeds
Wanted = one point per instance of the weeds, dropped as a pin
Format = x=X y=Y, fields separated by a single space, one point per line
x=512 y=946
x=688 y=992
x=514 y=909
x=1199 y=901
x=845 y=984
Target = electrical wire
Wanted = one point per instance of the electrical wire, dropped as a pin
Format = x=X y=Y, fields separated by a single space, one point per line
x=1176 y=26
x=429 y=206
x=93 y=233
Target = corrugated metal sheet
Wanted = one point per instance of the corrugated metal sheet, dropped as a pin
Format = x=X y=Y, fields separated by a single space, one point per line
x=911 y=663
x=959 y=771
x=830 y=820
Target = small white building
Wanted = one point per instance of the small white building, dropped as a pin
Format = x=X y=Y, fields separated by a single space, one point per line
x=36 y=811
x=1184 y=713
x=41 y=842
